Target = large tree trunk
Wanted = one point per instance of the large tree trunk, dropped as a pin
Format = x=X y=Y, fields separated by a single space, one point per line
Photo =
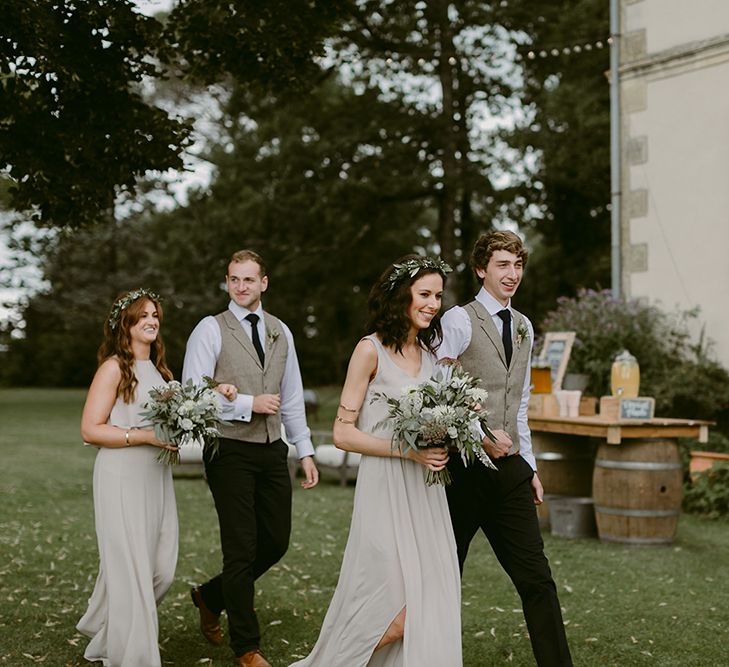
x=447 y=202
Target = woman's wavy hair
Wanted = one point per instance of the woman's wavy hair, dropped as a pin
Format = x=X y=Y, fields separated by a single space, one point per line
x=388 y=304
x=118 y=343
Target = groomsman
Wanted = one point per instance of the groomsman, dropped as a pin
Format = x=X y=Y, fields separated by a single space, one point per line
x=251 y=354
x=493 y=341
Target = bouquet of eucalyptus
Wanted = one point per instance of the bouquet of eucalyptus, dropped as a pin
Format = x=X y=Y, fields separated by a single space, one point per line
x=182 y=414
x=443 y=411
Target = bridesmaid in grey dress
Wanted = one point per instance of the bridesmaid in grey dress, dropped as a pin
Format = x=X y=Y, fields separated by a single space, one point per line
x=397 y=602
x=134 y=500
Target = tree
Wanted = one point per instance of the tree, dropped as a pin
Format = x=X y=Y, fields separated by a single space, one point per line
x=437 y=60
x=75 y=125
x=270 y=45
x=567 y=133
x=317 y=187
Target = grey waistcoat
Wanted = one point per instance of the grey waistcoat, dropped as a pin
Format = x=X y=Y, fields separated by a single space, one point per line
x=485 y=358
x=238 y=364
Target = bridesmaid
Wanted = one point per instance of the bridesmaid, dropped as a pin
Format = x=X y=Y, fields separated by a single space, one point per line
x=134 y=499
x=397 y=602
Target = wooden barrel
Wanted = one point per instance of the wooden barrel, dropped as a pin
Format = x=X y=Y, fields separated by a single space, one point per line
x=637 y=489
x=564 y=463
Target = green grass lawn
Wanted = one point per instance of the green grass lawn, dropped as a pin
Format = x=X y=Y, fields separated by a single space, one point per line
x=666 y=606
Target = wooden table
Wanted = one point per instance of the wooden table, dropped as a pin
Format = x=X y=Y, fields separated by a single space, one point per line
x=614 y=432
x=632 y=469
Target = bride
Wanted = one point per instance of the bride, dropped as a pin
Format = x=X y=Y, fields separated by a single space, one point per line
x=397 y=602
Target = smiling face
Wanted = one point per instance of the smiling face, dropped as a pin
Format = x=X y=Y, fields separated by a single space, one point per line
x=502 y=275
x=245 y=283
x=427 y=294
x=146 y=329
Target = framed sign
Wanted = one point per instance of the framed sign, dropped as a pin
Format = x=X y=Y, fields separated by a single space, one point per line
x=637 y=408
x=556 y=354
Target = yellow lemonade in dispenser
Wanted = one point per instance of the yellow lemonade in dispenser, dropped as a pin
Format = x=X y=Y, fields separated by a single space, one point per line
x=625 y=376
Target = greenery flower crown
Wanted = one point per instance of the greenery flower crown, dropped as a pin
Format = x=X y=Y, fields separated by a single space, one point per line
x=411 y=267
x=126 y=301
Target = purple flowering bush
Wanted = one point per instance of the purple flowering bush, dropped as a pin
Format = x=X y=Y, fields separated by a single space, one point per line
x=677 y=371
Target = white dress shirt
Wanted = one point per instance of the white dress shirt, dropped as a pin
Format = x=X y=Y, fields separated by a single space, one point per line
x=457 y=337
x=201 y=357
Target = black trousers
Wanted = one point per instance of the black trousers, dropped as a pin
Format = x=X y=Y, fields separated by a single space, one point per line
x=251 y=487
x=501 y=504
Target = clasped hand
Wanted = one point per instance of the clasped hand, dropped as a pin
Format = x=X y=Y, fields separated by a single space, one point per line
x=229 y=391
x=267 y=404
x=500 y=448
x=433 y=458
x=152 y=439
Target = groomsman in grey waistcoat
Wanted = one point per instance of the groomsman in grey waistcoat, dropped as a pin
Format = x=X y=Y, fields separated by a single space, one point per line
x=251 y=354
x=493 y=341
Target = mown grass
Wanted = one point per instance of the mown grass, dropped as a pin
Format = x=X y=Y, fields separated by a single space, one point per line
x=623 y=606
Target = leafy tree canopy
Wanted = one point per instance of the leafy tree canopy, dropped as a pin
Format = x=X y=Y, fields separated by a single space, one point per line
x=74 y=124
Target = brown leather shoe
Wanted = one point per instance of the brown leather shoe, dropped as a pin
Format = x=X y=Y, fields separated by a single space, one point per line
x=209 y=622
x=252 y=659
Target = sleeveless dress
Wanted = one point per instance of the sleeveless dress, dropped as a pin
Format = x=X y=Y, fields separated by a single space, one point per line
x=136 y=530
x=400 y=553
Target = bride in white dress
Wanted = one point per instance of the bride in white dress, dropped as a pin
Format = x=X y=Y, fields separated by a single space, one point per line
x=397 y=602
x=134 y=499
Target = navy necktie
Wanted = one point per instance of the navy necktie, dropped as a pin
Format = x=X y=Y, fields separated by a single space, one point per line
x=253 y=319
x=505 y=316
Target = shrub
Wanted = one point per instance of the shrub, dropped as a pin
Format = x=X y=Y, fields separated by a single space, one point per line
x=708 y=493
x=679 y=374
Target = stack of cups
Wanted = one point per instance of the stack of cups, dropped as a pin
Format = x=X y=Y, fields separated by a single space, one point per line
x=569 y=402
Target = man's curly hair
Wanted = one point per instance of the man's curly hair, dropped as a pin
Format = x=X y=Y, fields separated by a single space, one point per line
x=490 y=242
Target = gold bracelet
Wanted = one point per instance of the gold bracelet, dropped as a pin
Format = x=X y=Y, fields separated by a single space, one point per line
x=344 y=407
x=344 y=421
x=126 y=438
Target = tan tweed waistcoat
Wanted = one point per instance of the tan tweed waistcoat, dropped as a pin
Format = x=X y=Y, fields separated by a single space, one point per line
x=239 y=364
x=485 y=358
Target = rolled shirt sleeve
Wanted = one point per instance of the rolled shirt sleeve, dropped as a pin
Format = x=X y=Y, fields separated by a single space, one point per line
x=293 y=411
x=522 y=422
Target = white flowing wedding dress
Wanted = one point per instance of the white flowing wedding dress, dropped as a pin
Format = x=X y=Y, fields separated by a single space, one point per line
x=400 y=553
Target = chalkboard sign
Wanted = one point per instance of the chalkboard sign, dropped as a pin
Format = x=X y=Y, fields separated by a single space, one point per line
x=637 y=408
x=556 y=354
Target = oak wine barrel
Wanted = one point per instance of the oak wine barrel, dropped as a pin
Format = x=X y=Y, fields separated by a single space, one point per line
x=637 y=489
x=564 y=463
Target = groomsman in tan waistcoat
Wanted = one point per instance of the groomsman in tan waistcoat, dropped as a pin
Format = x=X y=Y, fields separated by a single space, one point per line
x=493 y=341
x=251 y=354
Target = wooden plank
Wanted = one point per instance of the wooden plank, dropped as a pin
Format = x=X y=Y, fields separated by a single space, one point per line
x=615 y=431
x=614 y=435
x=598 y=430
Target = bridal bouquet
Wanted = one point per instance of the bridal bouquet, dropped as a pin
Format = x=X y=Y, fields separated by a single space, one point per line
x=441 y=412
x=182 y=414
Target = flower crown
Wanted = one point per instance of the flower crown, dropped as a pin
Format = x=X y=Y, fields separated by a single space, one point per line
x=411 y=267
x=126 y=301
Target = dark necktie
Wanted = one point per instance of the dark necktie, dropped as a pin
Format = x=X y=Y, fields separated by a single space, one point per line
x=505 y=316
x=253 y=319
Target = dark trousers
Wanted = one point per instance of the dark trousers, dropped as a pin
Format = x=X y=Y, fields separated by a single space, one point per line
x=251 y=487
x=501 y=504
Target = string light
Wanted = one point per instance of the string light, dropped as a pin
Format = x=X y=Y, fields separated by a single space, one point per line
x=553 y=52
